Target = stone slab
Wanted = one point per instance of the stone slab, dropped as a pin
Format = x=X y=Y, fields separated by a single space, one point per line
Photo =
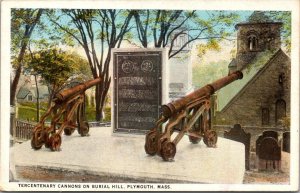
x=123 y=156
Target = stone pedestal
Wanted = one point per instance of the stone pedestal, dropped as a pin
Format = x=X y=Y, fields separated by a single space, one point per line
x=102 y=157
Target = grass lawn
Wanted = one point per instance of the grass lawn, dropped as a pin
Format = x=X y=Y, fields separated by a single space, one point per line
x=27 y=112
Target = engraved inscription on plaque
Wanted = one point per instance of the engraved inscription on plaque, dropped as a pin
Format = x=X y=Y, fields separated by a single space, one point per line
x=137 y=90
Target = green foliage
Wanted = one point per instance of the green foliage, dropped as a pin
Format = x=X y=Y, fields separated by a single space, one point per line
x=56 y=67
x=211 y=45
x=205 y=74
x=53 y=65
x=285 y=18
x=21 y=21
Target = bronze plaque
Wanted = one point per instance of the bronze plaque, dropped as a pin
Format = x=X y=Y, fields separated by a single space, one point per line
x=137 y=90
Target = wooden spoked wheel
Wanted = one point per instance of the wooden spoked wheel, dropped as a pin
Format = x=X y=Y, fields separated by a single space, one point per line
x=37 y=140
x=150 y=144
x=84 y=128
x=210 y=138
x=194 y=140
x=68 y=131
x=168 y=150
x=55 y=142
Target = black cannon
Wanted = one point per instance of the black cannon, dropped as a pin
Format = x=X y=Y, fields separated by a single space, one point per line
x=188 y=115
x=67 y=111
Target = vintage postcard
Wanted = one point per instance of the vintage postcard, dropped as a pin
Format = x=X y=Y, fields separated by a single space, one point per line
x=158 y=95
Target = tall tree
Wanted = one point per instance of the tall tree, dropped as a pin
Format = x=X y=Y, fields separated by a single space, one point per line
x=56 y=67
x=163 y=27
x=23 y=22
x=93 y=30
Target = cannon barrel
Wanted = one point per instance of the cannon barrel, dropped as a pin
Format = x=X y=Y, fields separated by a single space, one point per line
x=65 y=94
x=173 y=107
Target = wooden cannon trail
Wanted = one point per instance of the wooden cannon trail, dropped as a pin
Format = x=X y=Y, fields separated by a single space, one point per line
x=66 y=113
x=189 y=115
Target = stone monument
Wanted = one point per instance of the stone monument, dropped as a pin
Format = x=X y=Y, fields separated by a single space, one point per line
x=139 y=88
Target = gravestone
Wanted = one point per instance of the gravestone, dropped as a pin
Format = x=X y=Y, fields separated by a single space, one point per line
x=139 y=79
x=286 y=141
x=269 y=154
x=270 y=133
x=238 y=134
x=267 y=133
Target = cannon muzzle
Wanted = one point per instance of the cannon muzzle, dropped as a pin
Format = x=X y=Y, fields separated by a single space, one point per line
x=65 y=94
x=177 y=105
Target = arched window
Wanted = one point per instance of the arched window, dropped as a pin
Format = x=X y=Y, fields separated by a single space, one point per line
x=252 y=42
x=280 y=110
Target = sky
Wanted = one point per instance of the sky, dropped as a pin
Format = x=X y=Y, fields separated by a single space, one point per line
x=210 y=56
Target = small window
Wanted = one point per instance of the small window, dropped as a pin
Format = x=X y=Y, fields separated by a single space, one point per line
x=252 y=42
x=281 y=78
x=29 y=97
x=265 y=116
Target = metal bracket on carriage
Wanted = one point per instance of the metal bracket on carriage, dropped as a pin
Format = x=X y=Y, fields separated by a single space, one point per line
x=66 y=112
x=190 y=116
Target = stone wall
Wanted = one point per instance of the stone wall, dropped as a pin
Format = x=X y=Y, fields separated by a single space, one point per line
x=262 y=92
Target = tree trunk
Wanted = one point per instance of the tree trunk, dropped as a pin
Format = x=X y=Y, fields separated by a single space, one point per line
x=37 y=100
x=14 y=85
x=98 y=104
x=24 y=43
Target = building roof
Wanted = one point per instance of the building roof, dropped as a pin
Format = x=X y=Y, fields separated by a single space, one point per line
x=24 y=91
x=227 y=94
x=258 y=17
x=43 y=91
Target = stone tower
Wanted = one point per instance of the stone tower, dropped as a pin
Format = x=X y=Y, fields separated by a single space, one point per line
x=257 y=35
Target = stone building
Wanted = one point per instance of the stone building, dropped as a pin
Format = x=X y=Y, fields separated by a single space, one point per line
x=262 y=97
x=180 y=67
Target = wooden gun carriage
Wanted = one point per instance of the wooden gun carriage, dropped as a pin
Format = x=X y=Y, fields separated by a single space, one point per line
x=67 y=111
x=188 y=115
